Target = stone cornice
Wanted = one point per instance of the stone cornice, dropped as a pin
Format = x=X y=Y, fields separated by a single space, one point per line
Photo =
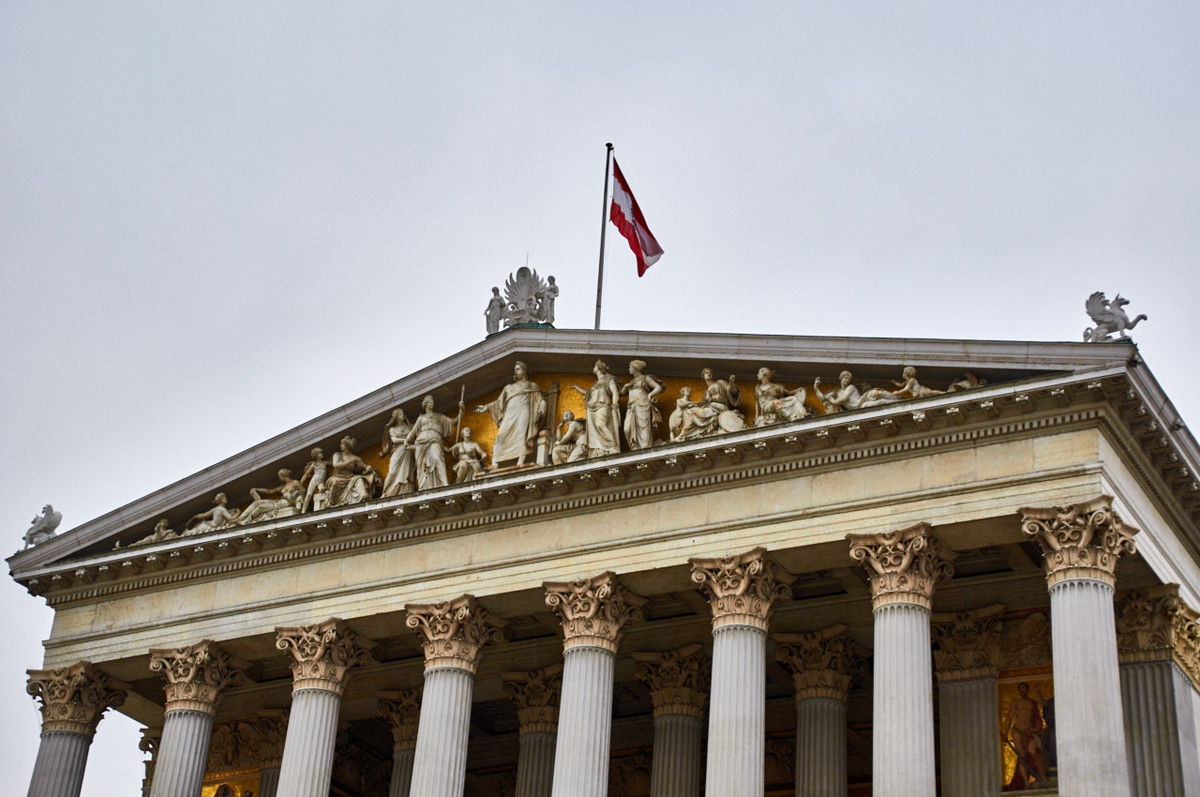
x=453 y=633
x=967 y=644
x=593 y=611
x=536 y=694
x=822 y=663
x=197 y=675
x=74 y=698
x=678 y=680
x=742 y=589
x=1082 y=540
x=904 y=565
x=402 y=711
x=1155 y=624
x=322 y=654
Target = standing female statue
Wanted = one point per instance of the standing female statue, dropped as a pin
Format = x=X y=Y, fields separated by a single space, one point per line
x=774 y=403
x=603 y=412
x=641 y=414
x=426 y=438
x=352 y=480
x=400 y=466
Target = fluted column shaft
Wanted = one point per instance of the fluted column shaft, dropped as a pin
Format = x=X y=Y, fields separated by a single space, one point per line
x=307 y=768
x=903 y=757
x=440 y=763
x=737 y=712
x=678 y=747
x=820 y=747
x=402 y=769
x=1160 y=727
x=585 y=723
x=535 y=764
x=969 y=717
x=182 y=754
x=61 y=759
x=268 y=782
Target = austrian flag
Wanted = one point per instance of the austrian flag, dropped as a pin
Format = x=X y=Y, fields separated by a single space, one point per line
x=626 y=214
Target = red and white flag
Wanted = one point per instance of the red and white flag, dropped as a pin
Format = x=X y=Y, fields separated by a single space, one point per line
x=626 y=214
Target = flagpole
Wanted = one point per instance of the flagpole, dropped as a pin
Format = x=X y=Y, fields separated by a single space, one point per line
x=603 y=230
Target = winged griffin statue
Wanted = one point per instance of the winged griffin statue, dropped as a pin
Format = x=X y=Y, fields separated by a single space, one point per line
x=1110 y=317
x=43 y=528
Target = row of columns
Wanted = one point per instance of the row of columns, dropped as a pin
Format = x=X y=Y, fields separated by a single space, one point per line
x=564 y=749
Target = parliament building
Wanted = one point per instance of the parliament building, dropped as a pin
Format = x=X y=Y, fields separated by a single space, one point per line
x=591 y=563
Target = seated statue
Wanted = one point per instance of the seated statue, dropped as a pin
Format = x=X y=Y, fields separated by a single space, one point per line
x=468 y=459
x=219 y=517
x=716 y=412
x=570 y=443
x=774 y=403
x=682 y=404
x=352 y=481
x=274 y=502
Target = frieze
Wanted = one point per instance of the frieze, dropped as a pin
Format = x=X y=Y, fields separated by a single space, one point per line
x=247 y=744
x=742 y=589
x=1155 y=623
x=967 y=644
x=75 y=698
x=322 y=654
x=453 y=633
x=536 y=695
x=593 y=611
x=1025 y=642
x=197 y=675
x=678 y=680
x=822 y=663
x=904 y=566
x=1082 y=540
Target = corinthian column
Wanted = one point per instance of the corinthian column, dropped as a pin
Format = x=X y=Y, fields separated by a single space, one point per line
x=742 y=592
x=1081 y=544
x=678 y=682
x=73 y=701
x=453 y=635
x=1158 y=641
x=593 y=611
x=537 y=696
x=402 y=710
x=903 y=566
x=197 y=676
x=322 y=657
x=822 y=664
x=966 y=655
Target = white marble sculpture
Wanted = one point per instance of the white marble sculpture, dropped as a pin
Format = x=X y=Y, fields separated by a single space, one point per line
x=716 y=412
x=1110 y=317
x=400 y=466
x=682 y=404
x=219 y=517
x=468 y=458
x=351 y=481
x=42 y=527
x=427 y=440
x=162 y=532
x=603 y=412
x=549 y=297
x=774 y=403
x=846 y=396
x=641 y=412
x=274 y=502
x=528 y=301
x=495 y=312
x=313 y=479
x=518 y=412
x=570 y=442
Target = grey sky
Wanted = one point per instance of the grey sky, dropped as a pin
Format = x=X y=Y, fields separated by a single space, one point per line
x=218 y=220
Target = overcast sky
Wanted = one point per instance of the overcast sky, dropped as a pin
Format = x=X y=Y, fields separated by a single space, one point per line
x=219 y=220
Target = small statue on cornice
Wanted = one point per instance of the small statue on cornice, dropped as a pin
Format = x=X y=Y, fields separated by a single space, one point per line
x=162 y=532
x=468 y=459
x=43 y=527
x=571 y=442
x=1110 y=317
x=219 y=517
x=528 y=302
x=717 y=411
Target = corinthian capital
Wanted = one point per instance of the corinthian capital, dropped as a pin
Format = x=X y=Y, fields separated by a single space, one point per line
x=75 y=698
x=904 y=566
x=536 y=694
x=1155 y=623
x=967 y=644
x=742 y=589
x=1079 y=540
x=593 y=611
x=197 y=675
x=322 y=654
x=454 y=632
x=402 y=710
x=822 y=663
x=678 y=680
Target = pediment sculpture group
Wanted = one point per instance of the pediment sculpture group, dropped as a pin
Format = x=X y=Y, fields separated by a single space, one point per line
x=417 y=450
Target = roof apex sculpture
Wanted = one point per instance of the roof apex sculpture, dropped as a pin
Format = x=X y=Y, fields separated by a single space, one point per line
x=528 y=301
x=1110 y=317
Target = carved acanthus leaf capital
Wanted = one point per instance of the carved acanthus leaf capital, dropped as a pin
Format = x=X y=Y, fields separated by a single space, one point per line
x=402 y=710
x=742 y=589
x=822 y=663
x=454 y=632
x=75 y=698
x=678 y=680
x=322 y=654
x=967 y=644
x=1155 y=623
x=536 y=694
x=197 y=675
x=1079 y=540
x=593 y=611
x=904 y=566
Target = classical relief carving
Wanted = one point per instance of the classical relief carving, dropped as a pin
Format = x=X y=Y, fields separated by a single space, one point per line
x=678 y=680
x=454 y=632
x=536 y=694
x=742 y=589
x=629 y=776
x=322 y=654
x=904 y=566
x=197 y=675
x=75 y=698
x=593 y=611
x=822 y=663
x=1025 y=642
x=402 y=710
x=244 y=744
x=967 y=644
x=1155 y=623
x=1079 y=540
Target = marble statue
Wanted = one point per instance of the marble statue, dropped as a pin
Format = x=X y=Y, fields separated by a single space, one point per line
x=427 y=440
x=468 y=459
x=495 y=312
x=716 y=412
x=351 y=480
x=641 y=412
x=911 y=388
x=1110 y=317
x=219 y=517
x=549 y=296
x=570 y=442
x=603 y=412
x=965 y=382
x=675 y=422
x=313 y=479
x=528 y=300
x=42 y=527
x=774 y=403
x=518 y=413
x=400 y=466
x=274 y=502
x=847 y=396
x=162 y=532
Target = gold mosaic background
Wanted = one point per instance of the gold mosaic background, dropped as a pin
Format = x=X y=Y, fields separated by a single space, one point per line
x=1038 y=678
x=240 y=783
